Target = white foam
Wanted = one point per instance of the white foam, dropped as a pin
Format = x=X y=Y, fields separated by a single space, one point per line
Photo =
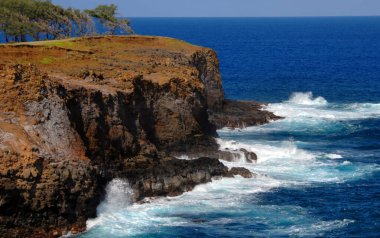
x=289 y=165
x=265 y=152
x=316 y=229
x=184 y=157
x=334 y=156
x=220 y=195
x=346 y=162
x=118 y=197
x=304 y=106
x=306 y=99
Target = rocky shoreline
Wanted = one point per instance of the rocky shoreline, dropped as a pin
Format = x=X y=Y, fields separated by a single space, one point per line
x=77 y=113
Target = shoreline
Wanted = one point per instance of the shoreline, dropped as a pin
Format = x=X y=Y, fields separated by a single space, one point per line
x=78 y=114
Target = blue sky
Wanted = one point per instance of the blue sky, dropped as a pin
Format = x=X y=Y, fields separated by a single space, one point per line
x=234 y=8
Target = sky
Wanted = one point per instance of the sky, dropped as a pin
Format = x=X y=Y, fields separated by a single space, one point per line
x=234 y=8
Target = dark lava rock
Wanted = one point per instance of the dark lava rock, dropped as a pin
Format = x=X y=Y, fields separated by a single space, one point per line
x=245 y=173
x=207 y=147
x=240 y=114
x=169 y=176
x=250 y=157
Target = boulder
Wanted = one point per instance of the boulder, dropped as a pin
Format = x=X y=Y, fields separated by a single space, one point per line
x=249 y=156
x=245 y=173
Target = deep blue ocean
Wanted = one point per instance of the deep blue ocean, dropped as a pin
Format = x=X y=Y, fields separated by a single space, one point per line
x=318 y=170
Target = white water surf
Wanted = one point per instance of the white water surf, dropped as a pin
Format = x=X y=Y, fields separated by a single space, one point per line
x=227 y=201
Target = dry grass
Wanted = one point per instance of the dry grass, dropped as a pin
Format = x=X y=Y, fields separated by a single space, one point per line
x=2 y=136
x=119 y=58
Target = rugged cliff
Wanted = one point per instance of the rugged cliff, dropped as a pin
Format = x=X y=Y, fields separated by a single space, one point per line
x=74 y=114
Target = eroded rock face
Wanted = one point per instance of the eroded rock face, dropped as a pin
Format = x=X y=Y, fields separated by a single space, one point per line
x=63 y=138
x=76 y=139
x=106 y=107
x=208 y=67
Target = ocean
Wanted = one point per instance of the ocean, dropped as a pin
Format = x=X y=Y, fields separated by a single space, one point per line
x=318 y=170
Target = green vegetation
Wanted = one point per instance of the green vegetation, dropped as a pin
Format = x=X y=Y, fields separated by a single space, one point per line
x=60 y=43
x=41 y=20
x=106 y=14
x=48 y=60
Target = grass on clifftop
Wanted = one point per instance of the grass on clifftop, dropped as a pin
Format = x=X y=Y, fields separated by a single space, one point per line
x=158 y=59
x=48 y=60
x=84 y=43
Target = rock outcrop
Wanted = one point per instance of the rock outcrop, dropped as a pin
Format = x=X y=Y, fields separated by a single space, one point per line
x=240 y=114
x=245 y=173
x=170 y=176
x=74 y=114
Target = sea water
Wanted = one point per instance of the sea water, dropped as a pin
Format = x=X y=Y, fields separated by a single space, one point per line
x=318 y=170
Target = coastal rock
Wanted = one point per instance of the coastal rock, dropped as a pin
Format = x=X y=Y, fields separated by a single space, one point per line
x=245 y=173
x=250 y=157
x=208 y=67
x=241 y=114
x=209 y=148
x=79 y=114
x=169 y=176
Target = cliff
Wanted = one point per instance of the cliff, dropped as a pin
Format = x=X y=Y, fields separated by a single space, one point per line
x=74 y=114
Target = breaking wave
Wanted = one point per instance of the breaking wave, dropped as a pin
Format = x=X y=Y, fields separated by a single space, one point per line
x=292 y=154
x=304 y=105
x=306 y=99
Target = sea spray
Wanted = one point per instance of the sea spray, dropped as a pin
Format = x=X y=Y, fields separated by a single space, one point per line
x=302 y=106
x=118 y=197
x=306 y=99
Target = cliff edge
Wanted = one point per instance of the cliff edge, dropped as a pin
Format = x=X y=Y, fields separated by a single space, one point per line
x=77 y=113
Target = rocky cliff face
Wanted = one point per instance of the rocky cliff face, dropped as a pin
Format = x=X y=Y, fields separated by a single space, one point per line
x=75 y=114
x=207 y=64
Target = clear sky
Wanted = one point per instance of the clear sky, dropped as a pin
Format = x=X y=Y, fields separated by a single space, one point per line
x=234 y=8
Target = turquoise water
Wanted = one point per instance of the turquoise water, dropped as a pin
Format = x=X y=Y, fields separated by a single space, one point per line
x=318 y=170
